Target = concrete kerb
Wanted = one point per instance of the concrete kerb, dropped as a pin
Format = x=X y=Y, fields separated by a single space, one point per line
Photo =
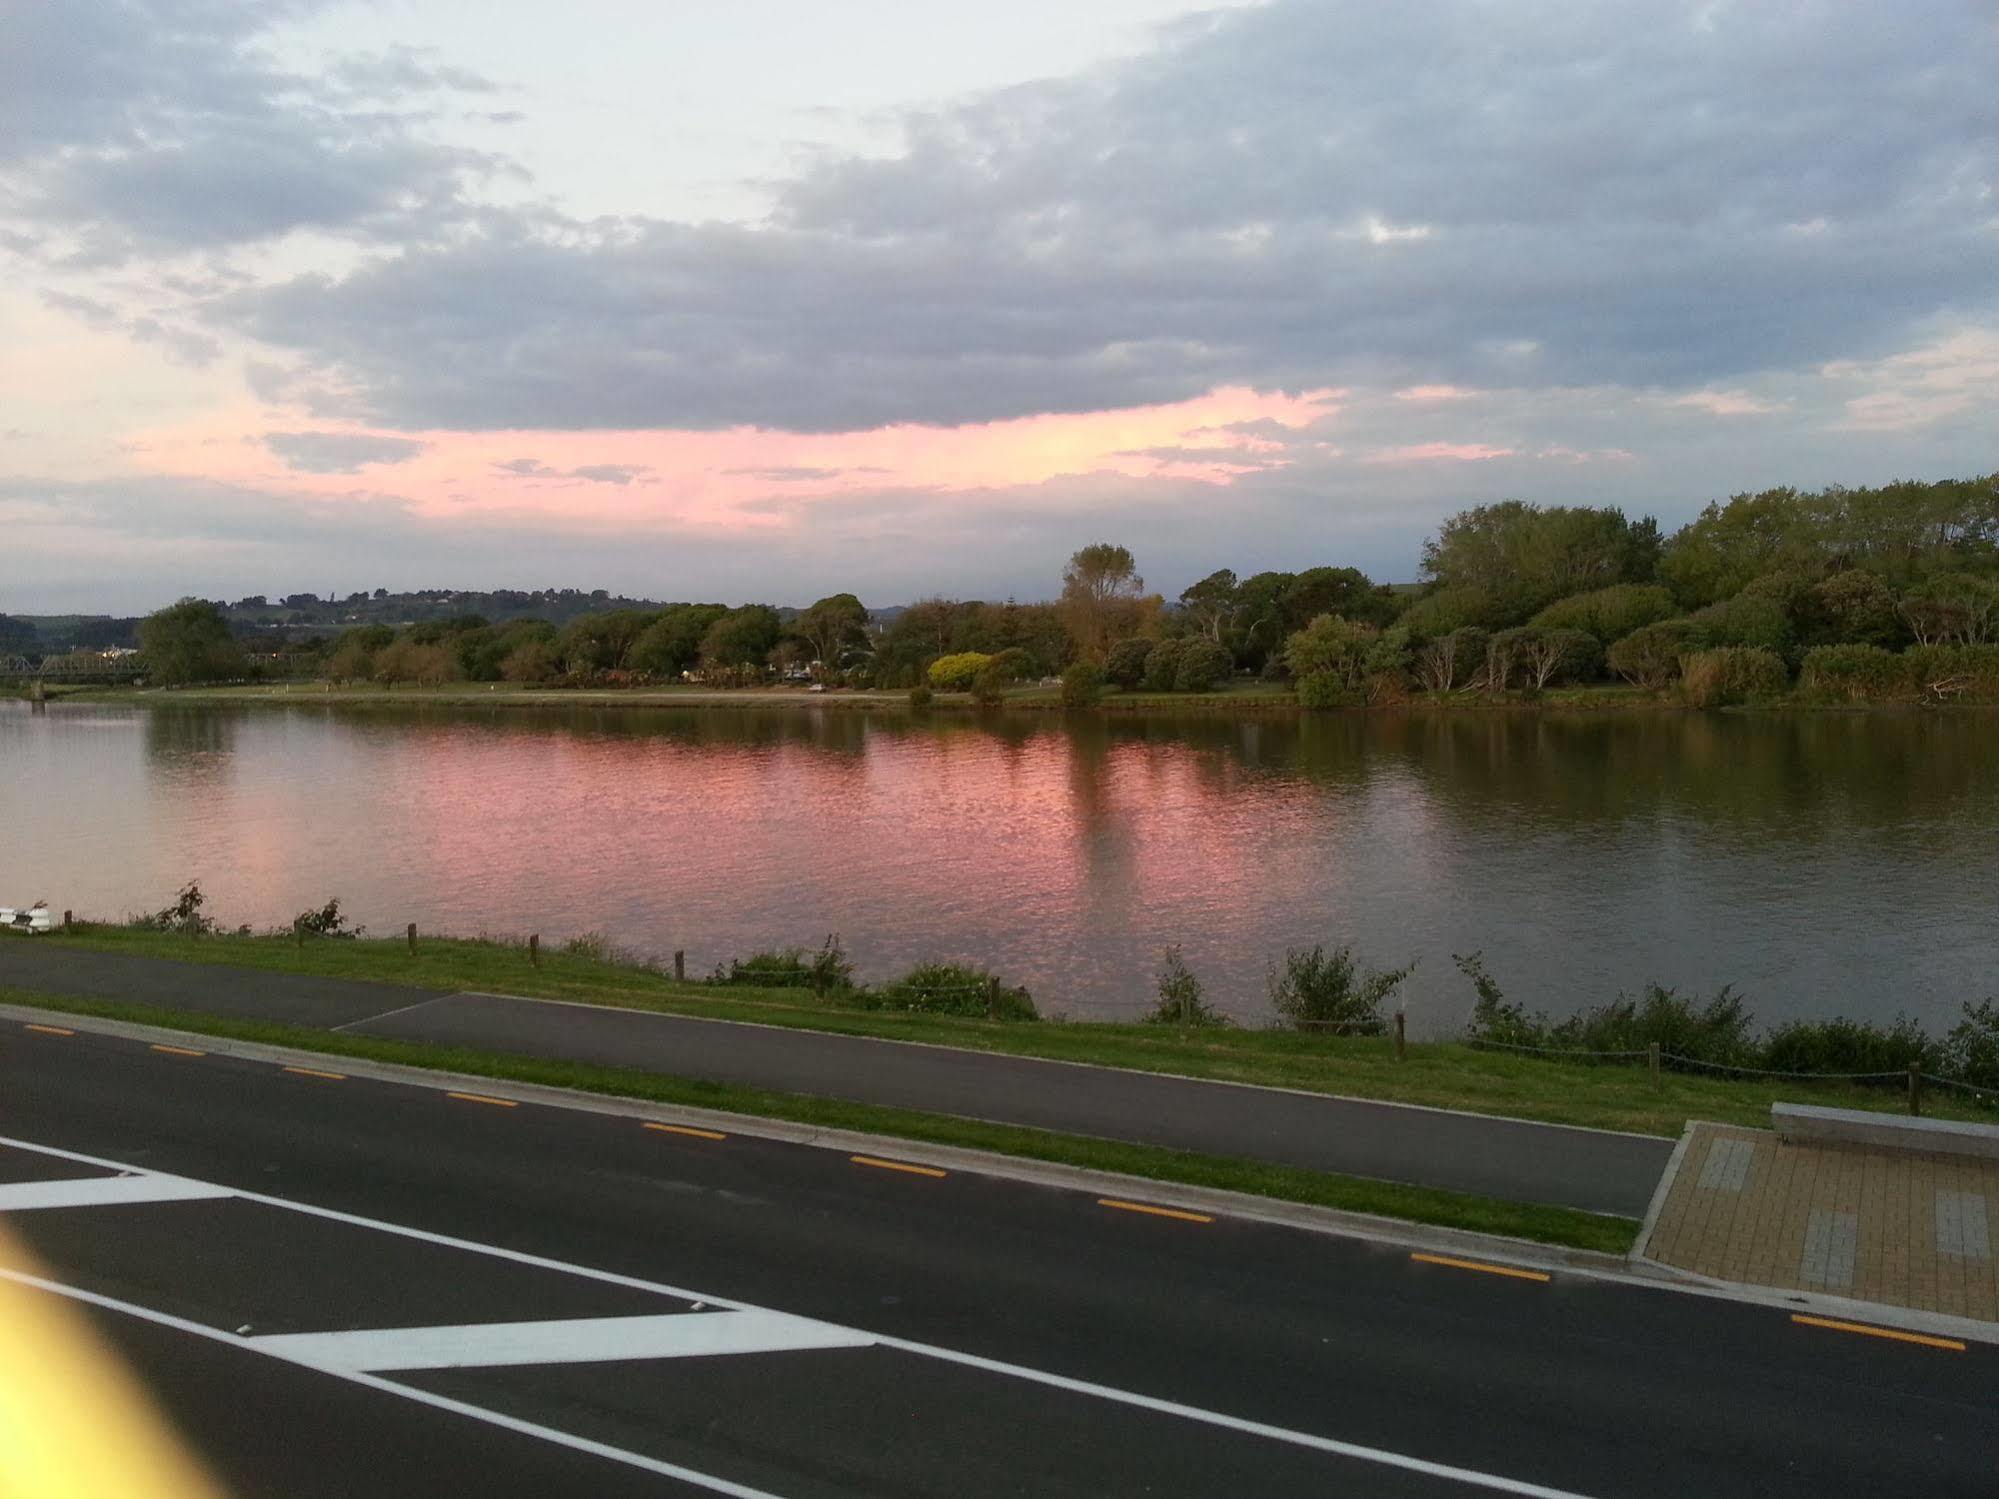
x=1238 y=1205
x=1641 y=1246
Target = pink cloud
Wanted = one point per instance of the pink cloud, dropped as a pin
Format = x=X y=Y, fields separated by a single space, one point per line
x=1434 y=393
x=706 y=478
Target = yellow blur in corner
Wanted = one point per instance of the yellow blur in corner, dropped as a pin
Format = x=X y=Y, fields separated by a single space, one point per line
x=74 y=1424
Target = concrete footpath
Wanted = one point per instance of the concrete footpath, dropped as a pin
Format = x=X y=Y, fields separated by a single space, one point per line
x=1595 y=1170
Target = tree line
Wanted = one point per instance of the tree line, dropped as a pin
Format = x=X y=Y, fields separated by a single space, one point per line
x=1853 y=594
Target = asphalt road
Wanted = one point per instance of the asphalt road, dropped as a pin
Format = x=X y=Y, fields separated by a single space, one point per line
x=960 y=1335
x=1595 y=1170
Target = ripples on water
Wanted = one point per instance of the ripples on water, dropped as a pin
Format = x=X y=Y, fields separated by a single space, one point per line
x=1824 y=863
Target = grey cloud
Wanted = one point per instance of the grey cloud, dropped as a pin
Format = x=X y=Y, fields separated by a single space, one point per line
x=1661 y=193
x=87 y=310
x=162 y=125
x=595 y=473
x=339 y=452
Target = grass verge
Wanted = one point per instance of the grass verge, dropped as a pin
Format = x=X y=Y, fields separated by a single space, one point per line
x=1439 y=1074
x=1547 y=1225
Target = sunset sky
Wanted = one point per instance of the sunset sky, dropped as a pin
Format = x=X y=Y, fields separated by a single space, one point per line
x=775 y=298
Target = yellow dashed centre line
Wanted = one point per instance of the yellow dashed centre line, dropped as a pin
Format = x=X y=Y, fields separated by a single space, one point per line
x=1892 y=1334
x=46 y=1030
x=178 y=1051
x=329 y=1077
x=878 y=1163
x=1511 y=1271
x=498 y=1103
x=687 y=1129
x=1143 y=1207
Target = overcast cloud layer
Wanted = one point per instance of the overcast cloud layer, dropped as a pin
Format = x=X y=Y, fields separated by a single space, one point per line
x=1646 y=252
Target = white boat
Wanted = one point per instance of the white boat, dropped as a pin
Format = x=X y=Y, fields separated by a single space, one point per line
x=28 y=919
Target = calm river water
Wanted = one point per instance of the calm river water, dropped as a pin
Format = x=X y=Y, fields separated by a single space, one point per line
x=1829 y=863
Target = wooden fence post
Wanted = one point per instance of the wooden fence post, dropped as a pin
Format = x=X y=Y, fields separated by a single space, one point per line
x=68 y=920
x=1652 y=1062
x=1401 y=1036
x=992 y=998
x=1915 y=1089
x=534 y=948
x=412 y=936
x=680 y=965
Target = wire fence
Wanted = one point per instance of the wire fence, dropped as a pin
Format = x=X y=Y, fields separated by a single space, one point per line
x=1901 y=1076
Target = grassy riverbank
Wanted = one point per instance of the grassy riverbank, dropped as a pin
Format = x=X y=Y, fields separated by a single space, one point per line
x=1239 y=697
x=1438 y=1074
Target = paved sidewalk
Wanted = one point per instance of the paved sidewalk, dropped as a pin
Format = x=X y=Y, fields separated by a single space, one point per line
x=1888 y=1226
x=1595 y=1170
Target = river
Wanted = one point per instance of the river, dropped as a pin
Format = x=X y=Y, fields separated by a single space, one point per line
x=1836 y=863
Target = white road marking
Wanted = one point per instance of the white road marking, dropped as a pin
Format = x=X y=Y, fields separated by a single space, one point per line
x=421 y=1397
x=104 y=1192
x=576 y=1340
x=1470 y=1477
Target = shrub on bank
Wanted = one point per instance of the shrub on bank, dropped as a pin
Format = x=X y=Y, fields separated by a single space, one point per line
x=1182 y=999
x=1954 y=673
x=1842 y=1045
x=1125 y=663
x=826 y=971
x=958 y=672
x=1162 y=666
x=951 y=989
x=1204 y=665
x=1730 y=675
x=1320 y=990
x=1082 y=684
x=1855 y=674
x=1322 y=690
x=1650 y=657
x=920 y=696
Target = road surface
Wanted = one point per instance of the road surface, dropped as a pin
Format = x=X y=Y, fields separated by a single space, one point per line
x=339 y=1286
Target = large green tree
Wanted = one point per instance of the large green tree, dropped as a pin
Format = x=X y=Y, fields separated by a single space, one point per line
x=832 y=628
x=1523 y=557
x=189 y=642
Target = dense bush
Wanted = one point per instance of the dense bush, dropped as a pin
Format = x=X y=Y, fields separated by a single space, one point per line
x=1747 y=619
x=1082 y=684
x=1732 y=674
x=1609 y=614
x=1717 y=1031
x=1318 y=990
x=1328 y=689
x=957 y=673
x=920 y=695
x=1125 y=662
x=1842 y=1045
x=1650 y=657
x=1439 y=613
x=1855 y=674
x=1182 y=1001
x=1970 y=1049
x=1954 y=673
x=1162 y=666
x=1454 y=660
x=1531 y=657
x=1203 y=666
x=1856 y=608
x=951 y=989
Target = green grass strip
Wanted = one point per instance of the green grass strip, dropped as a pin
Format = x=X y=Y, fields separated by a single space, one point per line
x=1439 y=1074
x=1547 y=1225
